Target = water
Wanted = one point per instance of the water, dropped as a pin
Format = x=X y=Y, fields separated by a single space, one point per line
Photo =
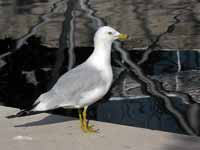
x=42 y=39
x=140 y=112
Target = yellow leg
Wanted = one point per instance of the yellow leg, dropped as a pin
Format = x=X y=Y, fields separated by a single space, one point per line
x=80 y=118
x=84 y=122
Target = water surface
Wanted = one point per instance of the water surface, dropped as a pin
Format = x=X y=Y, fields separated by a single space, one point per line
x=156 y=72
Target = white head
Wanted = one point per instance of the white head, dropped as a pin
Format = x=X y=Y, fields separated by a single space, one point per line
x=108 y=34
x=102 y=45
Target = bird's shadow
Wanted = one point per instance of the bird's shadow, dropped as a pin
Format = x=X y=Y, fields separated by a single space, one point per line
x=51 y=119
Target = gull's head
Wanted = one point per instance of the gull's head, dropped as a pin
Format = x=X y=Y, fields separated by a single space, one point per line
x=109 y=34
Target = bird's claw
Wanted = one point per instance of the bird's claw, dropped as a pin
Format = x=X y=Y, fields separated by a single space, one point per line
x=89 y=129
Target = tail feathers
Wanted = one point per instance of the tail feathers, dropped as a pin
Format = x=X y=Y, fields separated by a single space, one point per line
x=23 y=113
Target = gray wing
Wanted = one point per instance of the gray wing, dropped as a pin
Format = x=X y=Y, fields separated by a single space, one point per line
x=81 y=79
x=71 y=85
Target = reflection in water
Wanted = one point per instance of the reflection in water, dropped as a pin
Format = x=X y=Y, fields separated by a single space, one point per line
x=140 y=112
x=43 y=20
x=71 y=54
x=64 y=43
x=152 y=89
x=178 y=61
x=90 y=13
x=37 y=76
x=178 y=70
x=193 y=117
x=155 y=44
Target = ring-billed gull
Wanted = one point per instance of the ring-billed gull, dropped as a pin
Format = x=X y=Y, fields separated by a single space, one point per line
x=86 y=83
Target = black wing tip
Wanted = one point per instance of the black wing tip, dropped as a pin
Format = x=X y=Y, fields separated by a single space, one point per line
x=22 y=113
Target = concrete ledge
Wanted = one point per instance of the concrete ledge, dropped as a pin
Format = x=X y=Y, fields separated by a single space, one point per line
x=50 y=132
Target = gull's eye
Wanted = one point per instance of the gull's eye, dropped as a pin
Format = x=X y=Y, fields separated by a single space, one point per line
x=110 y=33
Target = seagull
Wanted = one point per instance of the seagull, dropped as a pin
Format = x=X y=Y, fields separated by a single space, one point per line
x=85 y=84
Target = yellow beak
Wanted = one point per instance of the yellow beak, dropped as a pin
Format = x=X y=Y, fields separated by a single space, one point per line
x=122 y=36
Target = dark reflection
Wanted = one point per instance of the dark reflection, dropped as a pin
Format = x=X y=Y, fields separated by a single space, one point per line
x=22 y=3
x=5 y=4
x=166 y=62
x=64 y=43
x=140 y=112
x=25 y=7
x=193 y=116
x=26 y=73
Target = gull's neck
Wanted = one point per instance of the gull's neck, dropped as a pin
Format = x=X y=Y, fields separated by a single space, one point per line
x=101 y=55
